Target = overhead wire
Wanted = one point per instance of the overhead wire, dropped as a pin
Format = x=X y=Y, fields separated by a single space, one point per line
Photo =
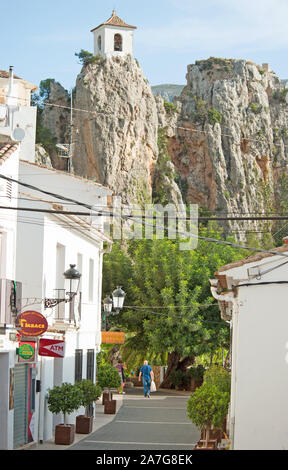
x=132 y=218
x=71 y=109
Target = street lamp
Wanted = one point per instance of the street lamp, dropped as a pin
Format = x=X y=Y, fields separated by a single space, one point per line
x=118 y=296
x=72 y=275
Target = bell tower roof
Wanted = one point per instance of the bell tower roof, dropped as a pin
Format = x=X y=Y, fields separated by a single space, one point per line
x=114 y=20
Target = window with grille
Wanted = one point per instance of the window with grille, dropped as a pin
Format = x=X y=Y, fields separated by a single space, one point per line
x=90 y=364
x=78 y=364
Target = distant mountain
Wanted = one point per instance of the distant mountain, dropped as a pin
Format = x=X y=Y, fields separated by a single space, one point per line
x=167 y=91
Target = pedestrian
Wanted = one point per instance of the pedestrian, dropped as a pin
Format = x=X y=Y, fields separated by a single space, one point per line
x=146 y=373
x=120 y=369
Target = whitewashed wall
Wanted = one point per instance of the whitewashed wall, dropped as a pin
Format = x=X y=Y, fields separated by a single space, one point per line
x=107 y=41
x=259 y=402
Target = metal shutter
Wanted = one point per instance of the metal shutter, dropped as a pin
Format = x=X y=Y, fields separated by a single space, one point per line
x=20 y=405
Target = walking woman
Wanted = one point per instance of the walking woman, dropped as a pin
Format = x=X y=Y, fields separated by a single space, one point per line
x=147 y=375
x=120 y=369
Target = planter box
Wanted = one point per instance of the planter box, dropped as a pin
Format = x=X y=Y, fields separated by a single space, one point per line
x=84 y=424
x=64 y=434
x=203 y=445
x=110 y=407
x=107 y=396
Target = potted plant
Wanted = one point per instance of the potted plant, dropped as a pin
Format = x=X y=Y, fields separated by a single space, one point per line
x=64 y=399
x=107 y=378
x=208 y=406
x=90 y=393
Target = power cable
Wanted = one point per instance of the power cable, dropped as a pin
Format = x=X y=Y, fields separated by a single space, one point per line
x=71 y=109
x=132 y=218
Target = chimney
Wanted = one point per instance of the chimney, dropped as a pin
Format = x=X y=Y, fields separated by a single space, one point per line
x=10 y=88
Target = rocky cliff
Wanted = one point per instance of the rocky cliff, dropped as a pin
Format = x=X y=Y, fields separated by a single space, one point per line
x=116 y=136
x=223 y=141
x=230 y=141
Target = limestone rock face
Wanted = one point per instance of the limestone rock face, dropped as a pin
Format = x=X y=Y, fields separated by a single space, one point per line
x=230 y=141
x=56 y=117
x=116 y=136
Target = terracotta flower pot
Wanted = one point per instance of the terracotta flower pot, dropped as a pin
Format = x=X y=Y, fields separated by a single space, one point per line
x=84 y=424
x=64 y=434
x=110 y=407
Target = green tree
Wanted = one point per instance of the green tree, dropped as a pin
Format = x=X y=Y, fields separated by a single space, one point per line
x=64 y=399
x=161 y=275
x=85 y=57
x=108 y=377
x=45 y=88
x=90 y=393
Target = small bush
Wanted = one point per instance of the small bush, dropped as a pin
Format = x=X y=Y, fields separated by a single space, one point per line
x=170 y=107
x=214 y=116
x=208 y=406
x=108 y=377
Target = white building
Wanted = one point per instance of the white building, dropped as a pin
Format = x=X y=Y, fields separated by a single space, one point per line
x=10 y=291
x=17 y=116
x=252 y=295
x=36 y=248
x=113 y=38
x=47 y=243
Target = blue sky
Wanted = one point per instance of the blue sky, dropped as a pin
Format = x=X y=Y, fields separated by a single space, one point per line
x=40 y=38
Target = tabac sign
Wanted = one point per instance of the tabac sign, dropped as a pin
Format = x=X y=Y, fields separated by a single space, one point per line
x=32 y=323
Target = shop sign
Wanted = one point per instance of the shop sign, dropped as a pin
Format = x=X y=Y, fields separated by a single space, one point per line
x=32 y=323
x=26 y=351
x=51 y=347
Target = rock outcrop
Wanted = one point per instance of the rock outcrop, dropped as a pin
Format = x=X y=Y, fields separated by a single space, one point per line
x=116 y=133
x=230 y=141
x=221 y=144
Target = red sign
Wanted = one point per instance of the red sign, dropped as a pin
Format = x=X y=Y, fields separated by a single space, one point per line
x=51 y=347
x=32 y=323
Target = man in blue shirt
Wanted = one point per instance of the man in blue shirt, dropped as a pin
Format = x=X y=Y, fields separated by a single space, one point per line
x=147 y=375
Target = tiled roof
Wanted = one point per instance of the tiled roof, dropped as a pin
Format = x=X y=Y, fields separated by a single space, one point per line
x=4 y=74
x=6 y=149
x=253 y=258
x=114 y=20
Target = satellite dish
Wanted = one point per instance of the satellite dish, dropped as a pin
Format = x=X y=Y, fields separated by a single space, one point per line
x=18 y=134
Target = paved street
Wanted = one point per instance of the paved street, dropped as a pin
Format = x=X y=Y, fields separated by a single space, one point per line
x=158 y=423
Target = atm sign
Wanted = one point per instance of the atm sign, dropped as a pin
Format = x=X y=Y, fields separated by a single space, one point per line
x=51 y=347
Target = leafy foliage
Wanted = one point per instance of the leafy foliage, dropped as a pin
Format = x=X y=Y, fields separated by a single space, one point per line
x=64 y=399
x=208 y=405
x=86 y=58
x=108 y=377
x=157 y=273
x=90 y=392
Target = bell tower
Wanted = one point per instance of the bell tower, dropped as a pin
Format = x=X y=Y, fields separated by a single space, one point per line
x=114 y=37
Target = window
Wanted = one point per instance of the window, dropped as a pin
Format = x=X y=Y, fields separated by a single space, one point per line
x=78 y=364
x=91 y=280
x=90 y=364
x=99 y=42
x=117 y=42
